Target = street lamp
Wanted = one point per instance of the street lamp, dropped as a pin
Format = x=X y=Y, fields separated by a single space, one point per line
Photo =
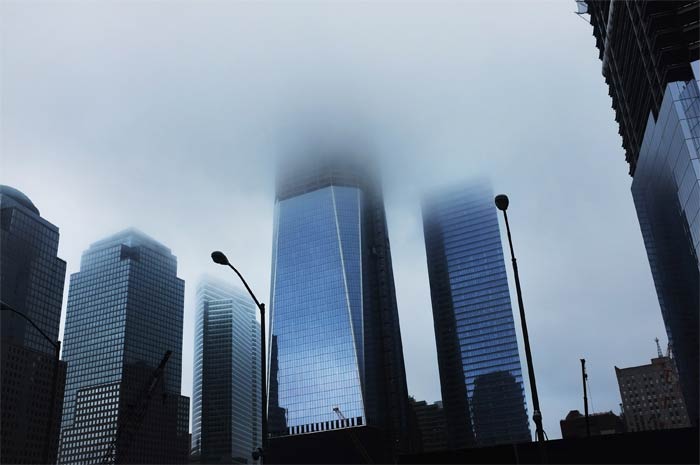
x=57 y=351
x=502 y=204
x=220 y=259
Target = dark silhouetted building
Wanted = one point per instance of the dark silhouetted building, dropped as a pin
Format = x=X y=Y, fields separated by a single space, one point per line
x=276 y=415
x=648 y=447
x=125 y=311
x=338 y=359
x=651 y=396
x=31 y=282
x=480 y=373
x=649 y=51
x=226 y=406
x=574 y=426
x=432 y=426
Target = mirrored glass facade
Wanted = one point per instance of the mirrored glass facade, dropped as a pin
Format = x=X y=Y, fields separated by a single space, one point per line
x=125 y=310
x=336 y=359
x=317 y=310
x=480 y=372
x=226 y=412
x=666 y=192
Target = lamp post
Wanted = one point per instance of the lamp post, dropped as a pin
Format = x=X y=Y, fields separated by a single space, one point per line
x=502 y=204
x=57 y=353
x=220 y=258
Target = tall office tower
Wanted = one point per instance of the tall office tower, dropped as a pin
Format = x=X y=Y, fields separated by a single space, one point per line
x=31 y=282
x=650 y=53
x=480 y=373
x=651 y=396
x=226 y=406
x=335 y=325
x=124 y=319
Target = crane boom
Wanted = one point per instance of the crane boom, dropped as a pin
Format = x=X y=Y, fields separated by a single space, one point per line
x=356 y=442
x=130 y=421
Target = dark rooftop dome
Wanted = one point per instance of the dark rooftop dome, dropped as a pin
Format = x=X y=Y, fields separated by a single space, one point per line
x=18 y=197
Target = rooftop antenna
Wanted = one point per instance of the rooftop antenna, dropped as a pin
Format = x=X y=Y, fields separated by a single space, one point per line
x=658 y=348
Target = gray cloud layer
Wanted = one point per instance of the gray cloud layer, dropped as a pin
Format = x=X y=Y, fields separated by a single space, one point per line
x=167 y=116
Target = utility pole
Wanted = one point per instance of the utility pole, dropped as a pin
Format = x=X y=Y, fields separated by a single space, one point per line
x=584 y=377
x=57 y=362
x=258 y=454
x=502 y=202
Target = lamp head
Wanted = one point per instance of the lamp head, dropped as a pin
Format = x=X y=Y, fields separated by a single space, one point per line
x=219 y=258
x=501 y=202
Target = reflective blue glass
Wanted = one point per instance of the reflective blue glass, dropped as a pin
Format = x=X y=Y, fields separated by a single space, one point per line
x=666 y=192
x=317 y=321
x=480 y=369
x=336 y=358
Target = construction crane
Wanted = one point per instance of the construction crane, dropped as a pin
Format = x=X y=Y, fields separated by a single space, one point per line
x=356 y=442
x=667 y=378
x=584 y=377
x=129 y=423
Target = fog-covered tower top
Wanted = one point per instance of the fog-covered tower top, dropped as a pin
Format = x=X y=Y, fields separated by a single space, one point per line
x=477 y=348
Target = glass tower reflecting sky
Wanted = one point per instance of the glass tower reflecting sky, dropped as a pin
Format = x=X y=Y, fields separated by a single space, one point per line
x=335 y=330
x=226 y=422
x=480 y=372
x=125 y=310
x=666 y=192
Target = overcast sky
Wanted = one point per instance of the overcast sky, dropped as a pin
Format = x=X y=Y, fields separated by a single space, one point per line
x=167 y=116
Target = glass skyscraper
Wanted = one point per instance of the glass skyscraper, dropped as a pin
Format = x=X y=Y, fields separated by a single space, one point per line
x=226 y=404
x=336 y=353
x=650 y=61
x=31 y=282
x=125 y=310
x=666 y=192
x=480 y=372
